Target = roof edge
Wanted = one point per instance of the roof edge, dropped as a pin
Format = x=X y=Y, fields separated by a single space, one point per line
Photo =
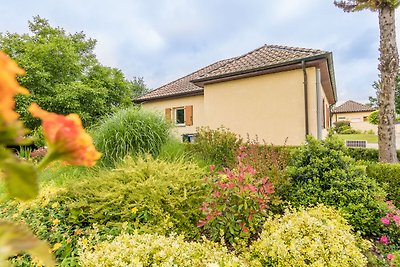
x=192 y=93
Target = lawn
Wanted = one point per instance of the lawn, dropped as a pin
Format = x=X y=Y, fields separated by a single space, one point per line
x=370 y=138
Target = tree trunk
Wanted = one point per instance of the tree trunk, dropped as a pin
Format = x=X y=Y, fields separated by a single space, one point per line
x=388 y=67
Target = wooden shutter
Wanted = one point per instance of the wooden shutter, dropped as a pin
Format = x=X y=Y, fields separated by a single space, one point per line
x=189 y=115
x=328 y=117
x=168 y=113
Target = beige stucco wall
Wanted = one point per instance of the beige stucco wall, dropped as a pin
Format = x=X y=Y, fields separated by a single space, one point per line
x=270 y=106
x=198 y=111
x=356 y=120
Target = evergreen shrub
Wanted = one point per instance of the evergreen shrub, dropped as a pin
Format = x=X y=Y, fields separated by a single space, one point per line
x=388 y=176
x=155 y=250
x=151 y=194
x=316 y=236
x=322 y=173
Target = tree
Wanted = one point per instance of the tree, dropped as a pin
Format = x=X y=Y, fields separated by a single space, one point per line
x=388 y=67
x=373 y=101
x=63 y=74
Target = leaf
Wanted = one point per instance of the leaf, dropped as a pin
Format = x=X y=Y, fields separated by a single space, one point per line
x=16 y=239
x=20 y=178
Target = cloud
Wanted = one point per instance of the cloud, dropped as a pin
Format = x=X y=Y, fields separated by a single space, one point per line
x=164 y=40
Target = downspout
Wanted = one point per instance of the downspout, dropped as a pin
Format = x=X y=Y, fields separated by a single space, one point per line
x=305 y=82
x=318 y=94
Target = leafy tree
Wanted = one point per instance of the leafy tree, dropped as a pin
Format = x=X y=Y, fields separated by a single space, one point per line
x=374 y=100
x=388 y=67
x=63 y=74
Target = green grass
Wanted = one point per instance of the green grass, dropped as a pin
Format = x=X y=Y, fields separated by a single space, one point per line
x=370 y=138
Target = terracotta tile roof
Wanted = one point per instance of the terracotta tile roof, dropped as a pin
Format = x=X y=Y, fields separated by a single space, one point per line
x=267 y=56
x=182 y=86
x=352 y=106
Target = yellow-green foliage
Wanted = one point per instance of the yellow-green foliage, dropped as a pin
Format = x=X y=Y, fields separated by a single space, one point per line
x=317 y=236
x=155 y=250
x=150 y=194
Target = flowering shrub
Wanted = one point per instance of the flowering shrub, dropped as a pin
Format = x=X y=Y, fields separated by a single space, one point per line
x=391 y=239
x=154 y=250
x=317 y=236
x=237 y=204
x=67 y=141
x=269 y=161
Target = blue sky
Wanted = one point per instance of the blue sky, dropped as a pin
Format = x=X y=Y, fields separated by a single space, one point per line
x=166 y=39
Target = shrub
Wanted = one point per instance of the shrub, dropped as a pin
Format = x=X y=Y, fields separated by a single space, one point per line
x=388 y=176
x=341 y=126
x=317 y=236
x=365 y=154
x=218 y=147
x=152 y=195
x=237 y=205
x=155 y=250
x=373 y=118
x=349 y=131
x=269 y=161
x=47 y=218
x=322 y=173
x=130 y=132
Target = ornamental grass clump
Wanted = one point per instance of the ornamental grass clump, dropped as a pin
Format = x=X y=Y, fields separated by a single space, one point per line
x=130 y=131
x=317 y=236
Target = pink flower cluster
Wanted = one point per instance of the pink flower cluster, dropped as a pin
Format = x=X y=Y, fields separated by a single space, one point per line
x=392 y=216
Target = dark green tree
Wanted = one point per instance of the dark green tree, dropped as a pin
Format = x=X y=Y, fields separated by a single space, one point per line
x=388 y=67
x=63 y=74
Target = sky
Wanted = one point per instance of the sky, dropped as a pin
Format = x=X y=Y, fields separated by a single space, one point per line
x=163 y=40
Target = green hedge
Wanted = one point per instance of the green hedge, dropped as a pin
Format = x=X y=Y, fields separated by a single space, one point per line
x=388 y=175
x=368 y=154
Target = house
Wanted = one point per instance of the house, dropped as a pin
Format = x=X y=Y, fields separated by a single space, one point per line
x=278 y=94
x=356 y=113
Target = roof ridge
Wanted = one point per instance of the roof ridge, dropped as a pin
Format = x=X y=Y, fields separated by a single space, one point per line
x=296 y=48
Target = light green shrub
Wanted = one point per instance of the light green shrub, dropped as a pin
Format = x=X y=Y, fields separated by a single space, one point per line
x=317 y=236
x=130 y=131
x=150 y=194
x=373 y=118
x=155 y=250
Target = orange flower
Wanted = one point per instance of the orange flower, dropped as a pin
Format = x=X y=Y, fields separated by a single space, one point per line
x=9 y=87
x=66 y=137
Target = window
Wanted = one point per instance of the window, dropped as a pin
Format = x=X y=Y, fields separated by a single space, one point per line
x=342 y=118
x=179 y=116
x=355 y=120
x=365 y=118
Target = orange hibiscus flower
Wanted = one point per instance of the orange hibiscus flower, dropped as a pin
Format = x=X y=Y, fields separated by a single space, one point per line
x=66 y=137
x=9 y=87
